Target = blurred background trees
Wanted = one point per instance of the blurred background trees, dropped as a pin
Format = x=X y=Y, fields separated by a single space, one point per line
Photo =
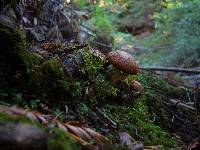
x=158 y=32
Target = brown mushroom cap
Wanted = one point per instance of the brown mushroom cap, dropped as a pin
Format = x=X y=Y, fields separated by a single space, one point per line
x=136 y=86
x=123 y=61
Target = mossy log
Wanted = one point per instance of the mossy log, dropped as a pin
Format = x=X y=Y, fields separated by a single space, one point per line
x=17 y=133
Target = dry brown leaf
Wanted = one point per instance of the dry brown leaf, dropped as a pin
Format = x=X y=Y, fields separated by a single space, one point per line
x=31 y=116
x=16 y=111
x=96 y=136
x=87 y=134
x=73 y=130
x=76 y=123
x=61 y=126
x=84 y=134
x=151 y=148
x=80 y=134
x=41 y=117
x=82 y=142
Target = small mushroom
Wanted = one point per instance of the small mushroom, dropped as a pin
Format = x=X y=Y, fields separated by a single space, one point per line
x=123 y=61
x=136 y=86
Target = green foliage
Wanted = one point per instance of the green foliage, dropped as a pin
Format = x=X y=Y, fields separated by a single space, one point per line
x=18 y=99
x=11 y=63
x=81 y=3
x=84 y=109
x=137 y=9
x=178 y=29
x=34 y=104
x=101 y=19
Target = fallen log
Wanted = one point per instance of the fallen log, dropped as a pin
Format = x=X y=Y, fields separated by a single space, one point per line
x=171 y=69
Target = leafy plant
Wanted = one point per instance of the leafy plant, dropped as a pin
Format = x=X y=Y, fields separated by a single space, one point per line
x=178 y=31
x=81 y=3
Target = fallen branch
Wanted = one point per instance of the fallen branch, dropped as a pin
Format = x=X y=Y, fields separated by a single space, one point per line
x=171 y=69
x=184 y=106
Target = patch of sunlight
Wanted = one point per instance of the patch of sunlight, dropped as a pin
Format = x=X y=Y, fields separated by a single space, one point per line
x=170 y=4
x=105 y=3
x=67 y=1
x=128 y=46
x=125 y=6
x=101 y=3
x=118 y=39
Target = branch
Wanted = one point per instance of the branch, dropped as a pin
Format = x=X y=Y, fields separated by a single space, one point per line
x=184 y=106
x=171 y=69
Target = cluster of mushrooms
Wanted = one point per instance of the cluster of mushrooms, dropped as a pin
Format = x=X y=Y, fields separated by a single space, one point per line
x=123 y=61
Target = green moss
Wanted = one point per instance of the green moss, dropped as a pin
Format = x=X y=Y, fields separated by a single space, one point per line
x=92 y=64
x=156 y=85
x=92 y=71
x=30 y=60
x=17 y=119
x=47 y=77
x=61 y=141
x=15 y=61
x=53 y=67
x=137 y=121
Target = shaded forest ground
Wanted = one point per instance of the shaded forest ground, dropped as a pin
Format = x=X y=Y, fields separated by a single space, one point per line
x=46 y=65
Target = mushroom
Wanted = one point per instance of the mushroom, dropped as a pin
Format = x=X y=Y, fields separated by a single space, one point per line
x=136 y=86
x=123 y=61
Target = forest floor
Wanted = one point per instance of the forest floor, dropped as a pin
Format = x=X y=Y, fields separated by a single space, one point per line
x=65 y=92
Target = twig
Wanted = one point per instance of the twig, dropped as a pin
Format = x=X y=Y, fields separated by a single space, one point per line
x=174 y=101
x=56 y=117
x=105 y=116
